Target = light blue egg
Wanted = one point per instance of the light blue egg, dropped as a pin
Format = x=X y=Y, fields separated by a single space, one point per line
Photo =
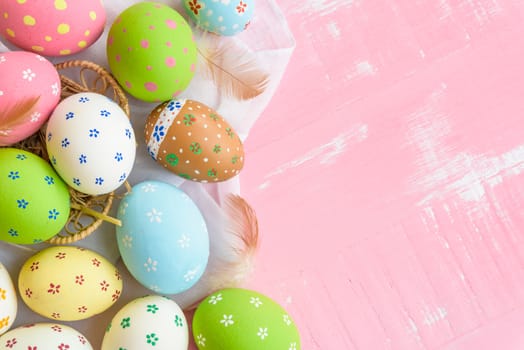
x=163 y=239
x=223 y=17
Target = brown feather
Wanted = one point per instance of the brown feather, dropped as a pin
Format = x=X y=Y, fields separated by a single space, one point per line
x=243 y=228
x=233 y=68
x=234 y=254
x=244 y=224
x=13 y=115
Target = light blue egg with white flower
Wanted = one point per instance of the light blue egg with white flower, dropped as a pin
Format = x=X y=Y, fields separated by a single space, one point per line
x=223 y=17
x=163 y=239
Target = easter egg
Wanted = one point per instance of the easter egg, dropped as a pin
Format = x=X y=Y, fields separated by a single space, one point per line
x=91 y=143
x=163 y=239
x=8 y=300
x=44 y=336
x=193 y=141
x=52 y=27
x=34 y=201
x=225 y=17
x=25 y=76
x=68 y=283
x=150 y=321
x=151 y=51
x=238 y=319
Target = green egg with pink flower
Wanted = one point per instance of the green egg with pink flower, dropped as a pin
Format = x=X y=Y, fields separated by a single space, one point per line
x=151 y=51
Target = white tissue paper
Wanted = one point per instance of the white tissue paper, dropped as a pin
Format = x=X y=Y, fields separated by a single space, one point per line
x=270 y=39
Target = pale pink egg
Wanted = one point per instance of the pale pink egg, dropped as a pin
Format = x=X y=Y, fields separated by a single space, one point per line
x=25 y=75
x=52 y=27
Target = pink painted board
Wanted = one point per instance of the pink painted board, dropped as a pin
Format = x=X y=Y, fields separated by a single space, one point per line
x=387 y=175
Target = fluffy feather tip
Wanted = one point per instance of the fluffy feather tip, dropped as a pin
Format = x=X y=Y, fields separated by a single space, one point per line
x=234 y=68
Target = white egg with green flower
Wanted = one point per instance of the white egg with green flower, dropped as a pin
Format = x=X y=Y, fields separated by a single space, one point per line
x=150 y=321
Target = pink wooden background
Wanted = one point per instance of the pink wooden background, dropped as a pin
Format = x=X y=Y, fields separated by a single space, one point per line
x=387 y=175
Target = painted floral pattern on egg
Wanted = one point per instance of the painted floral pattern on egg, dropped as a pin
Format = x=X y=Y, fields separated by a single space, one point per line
x=42 y=336
x=157 y=215
x=193 y=141
x=238 y=319
x=91 y=143
x=8 y=300
x=151 y=320
x=223 y=17
x=26 y=75
x=87 y=284
x=35 y=201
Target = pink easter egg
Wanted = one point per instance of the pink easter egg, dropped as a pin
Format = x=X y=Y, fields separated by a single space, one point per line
x=26 y=75
x=52 y=27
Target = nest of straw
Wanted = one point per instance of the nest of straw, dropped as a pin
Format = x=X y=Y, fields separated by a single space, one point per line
x=88 y=212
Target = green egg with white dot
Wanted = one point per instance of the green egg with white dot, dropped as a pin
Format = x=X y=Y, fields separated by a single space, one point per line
x=34 y=200
x=239 y=319
x=151 y=321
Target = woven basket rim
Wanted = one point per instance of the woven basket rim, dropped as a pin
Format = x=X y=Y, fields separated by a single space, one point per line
x=91 y=77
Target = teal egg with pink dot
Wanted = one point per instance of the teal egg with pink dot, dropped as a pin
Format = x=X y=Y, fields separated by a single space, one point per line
x=151 y=51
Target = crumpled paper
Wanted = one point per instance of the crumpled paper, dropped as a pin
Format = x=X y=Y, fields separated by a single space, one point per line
x=270 y=39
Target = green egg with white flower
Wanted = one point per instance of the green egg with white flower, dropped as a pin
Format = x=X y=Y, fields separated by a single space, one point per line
x=238 y=319
x=34 y=200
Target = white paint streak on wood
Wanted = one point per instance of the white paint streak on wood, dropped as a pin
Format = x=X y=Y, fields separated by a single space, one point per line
x=468 y=175
x=485 y=10
x=366 y=68
x=333 y=30
x=322 y=7
x=476 y=172
x=496 y=9
x=413 y=329
x=481 y=15
x=442 y=170
x=427 y=126
x=432 y=317
x=264 y=185
x=361 y=69
x=325 y=154
x=445 y=9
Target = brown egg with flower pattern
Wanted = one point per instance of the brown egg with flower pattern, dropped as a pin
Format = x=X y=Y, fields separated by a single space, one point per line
x=193 y=141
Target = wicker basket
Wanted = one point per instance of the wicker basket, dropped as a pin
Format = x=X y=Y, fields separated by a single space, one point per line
x=87 y=212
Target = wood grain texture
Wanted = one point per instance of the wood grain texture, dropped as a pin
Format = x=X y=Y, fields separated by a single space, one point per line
x=387 y=175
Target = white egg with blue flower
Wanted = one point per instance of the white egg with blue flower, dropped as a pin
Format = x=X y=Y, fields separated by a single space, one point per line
x=163 y=240
x=91 y=143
